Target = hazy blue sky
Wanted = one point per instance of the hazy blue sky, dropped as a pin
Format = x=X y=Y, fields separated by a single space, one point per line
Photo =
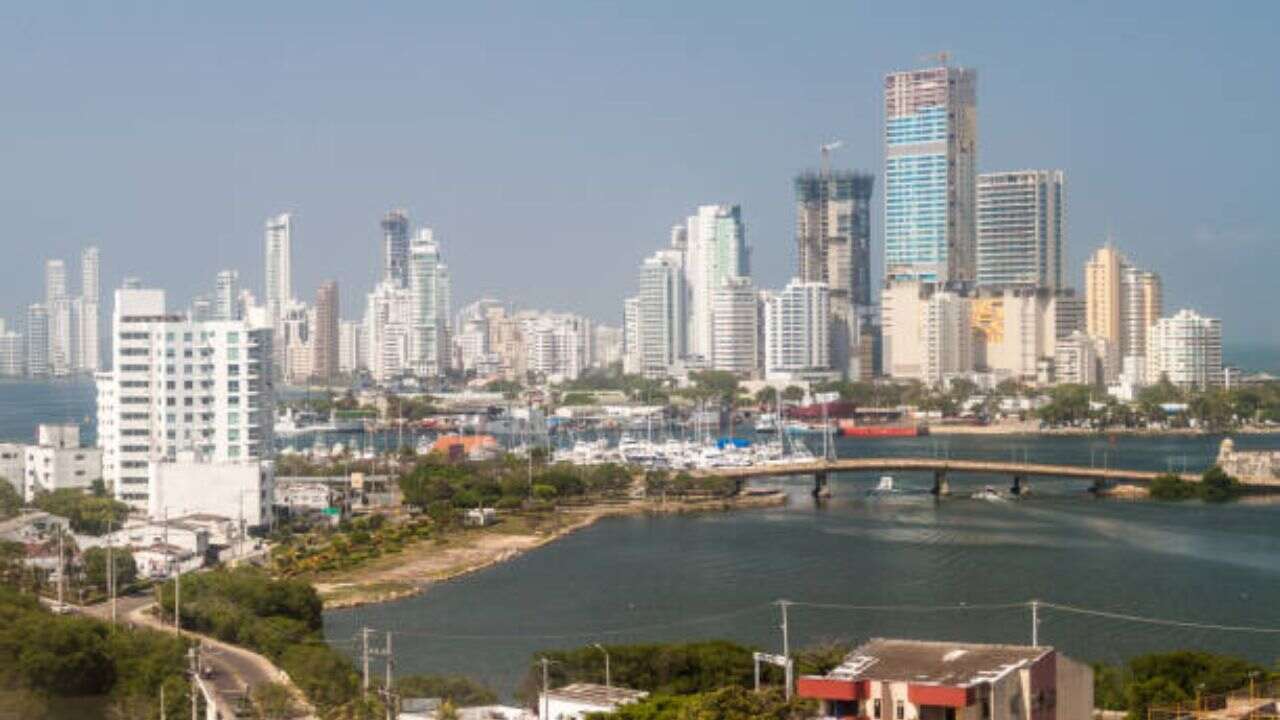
x=551 y=145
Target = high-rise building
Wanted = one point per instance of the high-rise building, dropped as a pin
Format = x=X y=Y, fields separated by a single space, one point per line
x=735 y=330
x=37 y=333
x=350 y=350
x=88 y=351
x=833 y=235
x=226 y=296
x=606 y=346
x=395 y=248
x=947 y=335
x=279 y=270
x=13 y=352
x=430 y=289
x=797 y=321
x=632 y=361
x=931 y=128
x=325 y=344
x=1187 y=349
x=60 y=352
x=1142 y=298
x=1014 y=329
x=1075 y=360
x=716 y=250
x=1021 y=222
x=388 y=322
x=1102 y=297
x=660 y=313
x=296 y=335
x=178 y=385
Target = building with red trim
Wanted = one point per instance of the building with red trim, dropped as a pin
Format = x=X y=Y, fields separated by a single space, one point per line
x=918 y=680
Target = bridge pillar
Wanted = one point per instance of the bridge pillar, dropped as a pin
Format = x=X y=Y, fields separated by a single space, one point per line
x=1020 y=485
x=940 y=485
x=1099 y=484
x=820 y=484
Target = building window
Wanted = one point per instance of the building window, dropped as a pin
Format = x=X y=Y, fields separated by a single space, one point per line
x=875 y=709
x=901 y=712
x=986 y=708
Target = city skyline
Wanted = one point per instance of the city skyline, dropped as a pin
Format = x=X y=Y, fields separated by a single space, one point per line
x=1034 y=114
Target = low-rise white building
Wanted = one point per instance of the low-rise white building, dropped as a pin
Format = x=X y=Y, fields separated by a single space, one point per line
x=238 y=490
x=576 y=701
x=57 y=461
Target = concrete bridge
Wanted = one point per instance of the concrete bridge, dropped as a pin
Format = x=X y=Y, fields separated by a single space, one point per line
x=1018 y=472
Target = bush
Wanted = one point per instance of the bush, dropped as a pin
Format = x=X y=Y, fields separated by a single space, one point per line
x=456 y=689
x=1217 y=486
x=1172 y=488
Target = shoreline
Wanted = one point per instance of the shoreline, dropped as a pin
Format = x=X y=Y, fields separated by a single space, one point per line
x=417 y=568
x=1028 y=429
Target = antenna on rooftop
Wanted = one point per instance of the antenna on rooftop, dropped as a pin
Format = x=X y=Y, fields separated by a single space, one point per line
x=826 y=149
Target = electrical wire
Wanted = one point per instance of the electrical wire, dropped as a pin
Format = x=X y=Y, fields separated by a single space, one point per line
x=1160 y=621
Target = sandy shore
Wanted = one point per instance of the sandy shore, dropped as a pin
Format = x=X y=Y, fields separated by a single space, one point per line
x=420 y=565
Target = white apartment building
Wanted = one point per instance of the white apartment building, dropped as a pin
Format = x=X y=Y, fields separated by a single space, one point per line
x=350 y=347
x=295 y=332
x=632 y=361
x=13 y=352
x=557 y=346
x=606 y=346
x=430 y=306
x=226 y=300
x=797 y=324
x=180 y=385
x=1075 y=360
x=236 y=490
x=715 y=249
x=57 y=461
x=37 y=341
x=388 y=321
x=660 y=321
x=735 y=327
x=1014 y=329
x=1187 y=349
x=947 y=334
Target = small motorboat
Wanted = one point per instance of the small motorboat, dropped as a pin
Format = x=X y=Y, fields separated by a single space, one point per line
x=990 y=494
x=884 y=487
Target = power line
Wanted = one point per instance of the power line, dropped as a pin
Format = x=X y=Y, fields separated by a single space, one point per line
x=910 y=608
x=1161 y=621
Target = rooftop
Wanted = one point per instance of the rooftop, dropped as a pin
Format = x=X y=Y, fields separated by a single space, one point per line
x=939 y=663
x=597 y=694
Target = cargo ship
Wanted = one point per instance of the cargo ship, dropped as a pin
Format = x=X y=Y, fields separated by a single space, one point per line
x=851 y=429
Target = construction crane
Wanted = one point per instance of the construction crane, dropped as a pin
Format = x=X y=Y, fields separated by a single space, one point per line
x=942 y=58
x=826 y=149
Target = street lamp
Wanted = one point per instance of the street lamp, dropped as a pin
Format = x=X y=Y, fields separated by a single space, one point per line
x=608 y=681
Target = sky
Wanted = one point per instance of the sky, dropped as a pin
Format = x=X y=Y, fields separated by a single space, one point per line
x=551 y=145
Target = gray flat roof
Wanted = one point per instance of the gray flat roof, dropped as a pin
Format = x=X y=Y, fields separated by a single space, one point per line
x=597 y=694
x=930 y=662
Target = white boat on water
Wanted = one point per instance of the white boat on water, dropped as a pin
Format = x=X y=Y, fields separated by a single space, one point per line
x=884 y=487
x=990 y=494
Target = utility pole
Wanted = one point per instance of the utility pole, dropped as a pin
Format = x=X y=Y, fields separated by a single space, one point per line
x=608 y=681
x=162 y=713
x=364 y=657
x=786 y=644
x=111 y=572
x=546 y=687
x=1035 y=623
x=389 y=698
x=62 y=570
x=194 y=668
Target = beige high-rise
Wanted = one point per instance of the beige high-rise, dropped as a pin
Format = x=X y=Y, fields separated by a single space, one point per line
x=1102 y=293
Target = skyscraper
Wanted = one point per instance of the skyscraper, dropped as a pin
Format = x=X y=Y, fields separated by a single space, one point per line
x=931 y=132
x=1142 y=298
x=1102 y=293
x=716 y=251
x=279 y=269
x=37 y=340
x=430 y=289
x=87 y=311
x=226 y=296
x=13 y=352
x=735 y=327
x=325 y=332
x=395 y=248
x=660 y=313
x=1021 y=220
x=833 y=234
x=60 y=352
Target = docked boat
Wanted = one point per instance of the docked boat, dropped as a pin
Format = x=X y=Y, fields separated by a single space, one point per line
x=990 y=494
x=848 y=428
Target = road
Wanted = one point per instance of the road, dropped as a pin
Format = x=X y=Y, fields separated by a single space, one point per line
x=235 y=671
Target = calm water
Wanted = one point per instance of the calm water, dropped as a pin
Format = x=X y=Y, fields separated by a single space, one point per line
x=25 y=404
x=669 y=578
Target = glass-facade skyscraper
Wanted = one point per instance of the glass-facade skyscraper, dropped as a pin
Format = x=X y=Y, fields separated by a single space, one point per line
x=930 y=163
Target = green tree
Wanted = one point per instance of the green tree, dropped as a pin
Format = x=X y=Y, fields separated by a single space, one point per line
x=10 y=499
x=457 y=689
x=273 y=701
x=793 y=393
x=1217 y=486
x=94 y=561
